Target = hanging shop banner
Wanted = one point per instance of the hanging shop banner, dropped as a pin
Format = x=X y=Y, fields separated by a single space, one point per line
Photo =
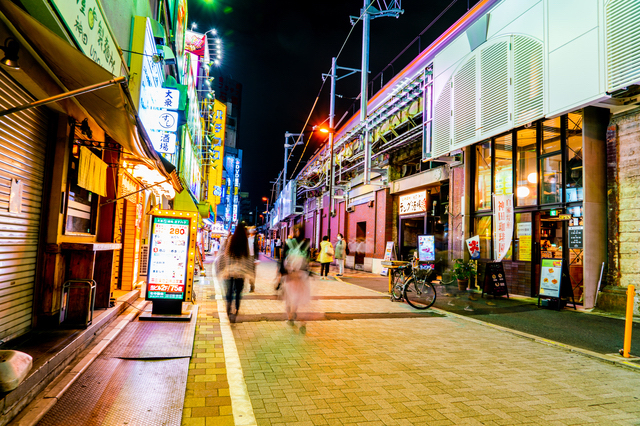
x=413 y=203
x=171 y=255
x=388 y=255
x=217 y=128
x=503 y=222
x=550 y=277
x=159 y=120
x=160 y=97
x=164 y=142
x=473 y=245
x=88 y=26
x=426 y=248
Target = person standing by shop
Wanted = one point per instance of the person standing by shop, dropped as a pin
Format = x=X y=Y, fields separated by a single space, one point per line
x=340 y=254
x=278 y=247
x=326 y=257
x=254 y=252
x=235 y=265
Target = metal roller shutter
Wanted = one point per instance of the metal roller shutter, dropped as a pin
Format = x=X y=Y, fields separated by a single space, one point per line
x=22 y=157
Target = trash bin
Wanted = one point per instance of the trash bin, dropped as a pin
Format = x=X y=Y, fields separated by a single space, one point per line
x=78 y=302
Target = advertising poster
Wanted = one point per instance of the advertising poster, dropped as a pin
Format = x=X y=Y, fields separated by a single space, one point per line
x=388 y=254
x=550 y=277
x=168 y=257
x=524 y=236
x=473 y=245
x=503 y=221
x=426 y=248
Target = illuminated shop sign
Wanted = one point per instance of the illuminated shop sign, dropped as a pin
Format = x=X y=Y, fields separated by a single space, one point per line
x=413 y=203
x=159 y=120
x=88 y=26
x=162 y=98
x=168 y=258
x=163 y=141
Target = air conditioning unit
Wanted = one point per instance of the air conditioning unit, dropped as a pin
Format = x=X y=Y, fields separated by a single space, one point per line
x=144 y=260
x=351 y=209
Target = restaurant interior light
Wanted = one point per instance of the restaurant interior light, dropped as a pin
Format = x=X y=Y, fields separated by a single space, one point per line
x=533 y=177
x=523 y=192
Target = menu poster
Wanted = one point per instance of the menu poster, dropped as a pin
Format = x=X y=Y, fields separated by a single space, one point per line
x=550 y=277
x=388 y=254
x=495 y=280
x=575 y=237
x=168 y=258
x=426 y=248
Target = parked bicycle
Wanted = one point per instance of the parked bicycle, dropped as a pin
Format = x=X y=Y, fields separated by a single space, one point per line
x=413 y=285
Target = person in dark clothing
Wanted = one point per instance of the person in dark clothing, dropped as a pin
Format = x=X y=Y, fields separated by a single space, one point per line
x=235 y=265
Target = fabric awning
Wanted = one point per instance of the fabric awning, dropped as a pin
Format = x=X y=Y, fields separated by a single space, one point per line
x=111 y=107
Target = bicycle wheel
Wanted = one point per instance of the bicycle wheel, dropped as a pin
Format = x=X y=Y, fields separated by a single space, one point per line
x=419 y=294
x=396 y=289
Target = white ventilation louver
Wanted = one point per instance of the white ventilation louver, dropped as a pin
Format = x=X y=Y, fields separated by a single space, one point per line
x=441 y=123
x=494 y=90
x=527 y=80
x=622 y=20
x=464 y=104
x=144 y=259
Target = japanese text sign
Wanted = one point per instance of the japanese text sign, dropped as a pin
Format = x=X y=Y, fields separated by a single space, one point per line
x=159 y=97
x=159 y=120
x=163 y=141
x=413 y=203
x=426 y=248
x=168 y=258
x=86 y=22
x=503 y=223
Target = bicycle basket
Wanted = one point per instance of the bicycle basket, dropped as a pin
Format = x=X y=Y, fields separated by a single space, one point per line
x=423 y=274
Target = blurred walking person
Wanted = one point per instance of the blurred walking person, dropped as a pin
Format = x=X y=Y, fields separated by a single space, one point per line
x=294 y=270
x=340 y=254
x=254 y=252
x=326 y=257
x=235 y=265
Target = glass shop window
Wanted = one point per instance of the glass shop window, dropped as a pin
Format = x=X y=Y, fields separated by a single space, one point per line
x=82 y=205
x=551 y=168
x=526 y=168
x=575 y=191
x=503 y=184
x=482 y=226
x=483 y=176
x=551 y=135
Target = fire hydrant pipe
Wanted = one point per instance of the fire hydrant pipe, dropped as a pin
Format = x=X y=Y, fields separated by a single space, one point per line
x=631 y=292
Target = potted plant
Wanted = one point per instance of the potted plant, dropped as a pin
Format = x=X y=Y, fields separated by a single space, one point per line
x=463 y=270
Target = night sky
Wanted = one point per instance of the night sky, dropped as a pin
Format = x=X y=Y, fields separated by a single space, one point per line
x=278 y=51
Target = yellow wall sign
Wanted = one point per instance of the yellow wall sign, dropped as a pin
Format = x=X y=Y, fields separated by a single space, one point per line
x=218 y=126
x=172 y=255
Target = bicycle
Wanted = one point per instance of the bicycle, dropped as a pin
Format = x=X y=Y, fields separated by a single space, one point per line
x=416 y=289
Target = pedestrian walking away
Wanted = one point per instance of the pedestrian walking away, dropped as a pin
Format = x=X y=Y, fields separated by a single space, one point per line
x=295 y=275
x=234 y=266
x=278 y=245
x=340 y=254
x=325 y=257
x=254 y=252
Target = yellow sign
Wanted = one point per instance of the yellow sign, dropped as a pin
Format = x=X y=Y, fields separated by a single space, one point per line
x=525 y=248
x=218 y=126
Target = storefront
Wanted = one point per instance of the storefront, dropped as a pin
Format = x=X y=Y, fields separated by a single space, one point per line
x=541 y=167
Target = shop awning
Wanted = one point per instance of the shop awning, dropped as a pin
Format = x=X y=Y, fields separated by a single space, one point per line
x=184 y=202
x=111 y=107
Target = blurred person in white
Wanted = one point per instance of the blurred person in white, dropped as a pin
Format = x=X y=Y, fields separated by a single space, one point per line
x=254 y=252
x=235 y=265
x=340 y=254
x=294 y=270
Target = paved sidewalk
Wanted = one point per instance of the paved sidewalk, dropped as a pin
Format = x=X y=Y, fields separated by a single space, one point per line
x=427 y=370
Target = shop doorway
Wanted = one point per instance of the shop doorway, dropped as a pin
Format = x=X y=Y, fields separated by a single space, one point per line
x=361 y=245
x=560 y=236
x=410 y=228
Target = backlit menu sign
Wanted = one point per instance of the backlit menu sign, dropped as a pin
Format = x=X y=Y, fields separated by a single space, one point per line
x=168 y=259
x=413 y=203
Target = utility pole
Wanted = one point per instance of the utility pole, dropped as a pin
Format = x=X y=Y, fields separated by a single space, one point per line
x=287 y=146
x=368 y=13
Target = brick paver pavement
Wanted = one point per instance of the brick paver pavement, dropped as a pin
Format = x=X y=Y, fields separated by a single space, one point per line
x=402 y=371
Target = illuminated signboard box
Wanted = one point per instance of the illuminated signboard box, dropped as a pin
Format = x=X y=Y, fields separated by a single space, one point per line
x=171 y=260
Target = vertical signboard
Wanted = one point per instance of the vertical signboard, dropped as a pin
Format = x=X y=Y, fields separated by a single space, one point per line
x=168 y=258
x=503 y=221
x=426 y=248
x=388 y=254
x=171 y=259
x=218 y=126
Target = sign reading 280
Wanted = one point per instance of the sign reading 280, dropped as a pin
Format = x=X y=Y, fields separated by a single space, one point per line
x=168 y=258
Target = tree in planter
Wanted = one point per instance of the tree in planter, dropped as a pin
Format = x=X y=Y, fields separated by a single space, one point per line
x=463 y=271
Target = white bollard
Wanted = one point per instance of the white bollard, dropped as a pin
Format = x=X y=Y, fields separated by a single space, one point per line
x=14 y=367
